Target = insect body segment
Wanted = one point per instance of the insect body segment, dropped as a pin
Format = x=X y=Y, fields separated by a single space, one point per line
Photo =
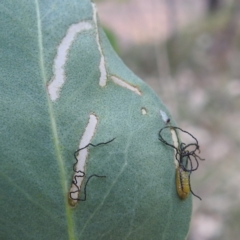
x=182 y=183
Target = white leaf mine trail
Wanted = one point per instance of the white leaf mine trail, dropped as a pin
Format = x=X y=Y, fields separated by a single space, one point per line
x=60 y=60
x=83 y=154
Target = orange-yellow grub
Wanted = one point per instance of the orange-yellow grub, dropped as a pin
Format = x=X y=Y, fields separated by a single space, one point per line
x=182 y=183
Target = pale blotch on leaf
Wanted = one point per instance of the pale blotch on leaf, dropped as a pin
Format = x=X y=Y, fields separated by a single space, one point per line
x=59 y=78
x=124 y=84
x=144 y=111
x=82 y=158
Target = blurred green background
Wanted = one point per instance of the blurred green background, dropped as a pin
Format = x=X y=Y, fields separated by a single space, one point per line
x=188 y=51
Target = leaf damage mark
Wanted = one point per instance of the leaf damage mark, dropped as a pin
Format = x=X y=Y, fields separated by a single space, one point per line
x=124 y=84
x=102 y=67
x=144 y=111
x=176 y=145
x=165 y=117
x=59 y=78
x=82 y=158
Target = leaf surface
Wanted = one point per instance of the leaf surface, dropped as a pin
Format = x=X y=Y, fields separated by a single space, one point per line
x=43 y=122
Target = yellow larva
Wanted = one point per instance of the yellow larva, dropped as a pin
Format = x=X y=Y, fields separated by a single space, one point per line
x=182 y=183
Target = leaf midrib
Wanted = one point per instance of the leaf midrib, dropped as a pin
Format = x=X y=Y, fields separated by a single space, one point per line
x=56 y=142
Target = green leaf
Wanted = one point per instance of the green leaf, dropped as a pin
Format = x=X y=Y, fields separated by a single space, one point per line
x=44 y=121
